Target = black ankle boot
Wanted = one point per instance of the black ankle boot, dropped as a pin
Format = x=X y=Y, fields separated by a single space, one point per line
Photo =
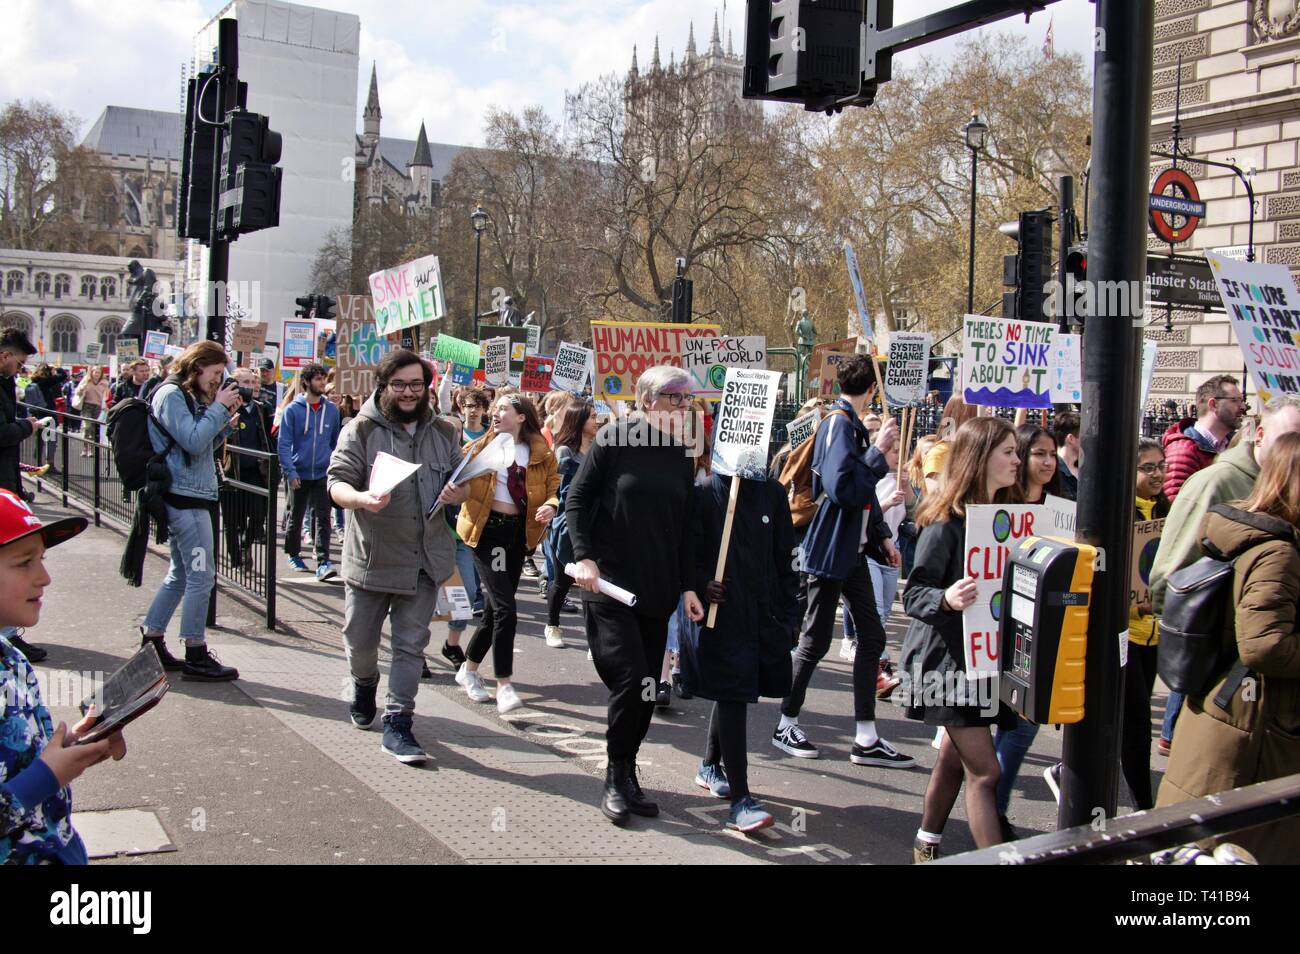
x=637 y=803
x=169 y=662
x=201 y=666
x=613 y=801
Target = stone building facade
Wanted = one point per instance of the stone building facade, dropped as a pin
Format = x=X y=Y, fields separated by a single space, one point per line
x=1240 y=104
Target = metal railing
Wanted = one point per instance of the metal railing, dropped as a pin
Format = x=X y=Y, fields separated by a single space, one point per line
x=1143 y=833
x=82 y=470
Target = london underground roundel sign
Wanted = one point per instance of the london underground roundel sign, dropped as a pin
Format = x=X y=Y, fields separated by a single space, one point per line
x=1175 y=206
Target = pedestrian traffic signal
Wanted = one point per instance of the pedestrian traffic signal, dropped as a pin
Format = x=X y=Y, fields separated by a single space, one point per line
x=250 y=179
x=683 y=295
x=306 y=305
x=805 y=51
x=1030 y=269
x=199 y=159
x=325 y=307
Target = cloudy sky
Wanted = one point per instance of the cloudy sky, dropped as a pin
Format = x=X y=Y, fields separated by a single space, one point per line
x=440 y=61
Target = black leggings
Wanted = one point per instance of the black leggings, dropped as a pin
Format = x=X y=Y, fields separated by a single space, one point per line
x=556 y=591
x=1135 y=737
x=499 y=560
x=727 y=744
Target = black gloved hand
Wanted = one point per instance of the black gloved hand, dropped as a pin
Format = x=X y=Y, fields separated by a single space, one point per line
x=715 y=591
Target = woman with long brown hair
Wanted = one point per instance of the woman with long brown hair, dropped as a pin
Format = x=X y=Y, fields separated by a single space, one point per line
x=578 y=424
x=981 y=469
x=1246 y=728
x=506 y=513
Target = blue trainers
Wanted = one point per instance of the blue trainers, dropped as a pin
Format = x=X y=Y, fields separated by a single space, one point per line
x=714 y=779
x=747 y=815
x=295 y=562
x=399 y=741
x=326 y=571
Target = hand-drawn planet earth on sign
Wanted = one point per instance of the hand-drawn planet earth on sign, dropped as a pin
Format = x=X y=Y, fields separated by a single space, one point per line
x=995 y=605
x=1001 y=526
x=717 y=376
x=1146 y=559
x=613 y=384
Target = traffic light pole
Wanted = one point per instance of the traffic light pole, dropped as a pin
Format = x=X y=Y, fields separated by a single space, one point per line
x=227 y=81
x=1117 y=254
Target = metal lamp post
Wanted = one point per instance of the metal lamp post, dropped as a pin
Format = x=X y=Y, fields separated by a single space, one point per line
x=976 y=131
x=479 y=219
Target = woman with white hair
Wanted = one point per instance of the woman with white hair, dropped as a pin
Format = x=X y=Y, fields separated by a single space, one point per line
x=631 y=522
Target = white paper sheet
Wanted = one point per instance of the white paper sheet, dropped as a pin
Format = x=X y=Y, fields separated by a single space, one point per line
x=387 y=472
x=606 y=587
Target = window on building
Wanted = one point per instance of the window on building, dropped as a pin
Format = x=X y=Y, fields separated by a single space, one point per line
x=88 y=286
x=14 y=283
x=16 y=320
x=42 y=283
x=108 y=288
x=65 y=334
x=109 y=329
x=62 y=285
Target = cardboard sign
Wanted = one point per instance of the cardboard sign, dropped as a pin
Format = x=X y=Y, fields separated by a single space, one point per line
x=1067 y=369
x=537 y=373
x=829 y=385
x=570 y=370
x=358 y=347
x=128 y=349
x=1006 y=363
x=496 y=361
x=624 y=349
x=707 y=359
x=908 y=368
x=1146 y=540
x=462 y=376
x=859 y=295
x=299 y=344
x=1264 y=306
x=744 y=425
x=992 y=532
x=93 y=349
x=248 y=335
x=1059 y=516
x=534 y=339
x=464 y=353
x=408 y=295
x=802 y=428
x=518 y=338
x=819 y=352
x=155 y=344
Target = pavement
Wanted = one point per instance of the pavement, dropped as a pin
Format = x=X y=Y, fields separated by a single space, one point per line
x=267 y=769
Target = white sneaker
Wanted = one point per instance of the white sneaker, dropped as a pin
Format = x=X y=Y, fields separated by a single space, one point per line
x=507 y=699
x=589 y=654
x=938 y=739
x=848 y=649
x=554 y=637
x=472 y=683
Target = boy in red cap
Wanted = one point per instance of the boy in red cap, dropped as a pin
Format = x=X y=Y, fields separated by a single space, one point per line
x=37 y=761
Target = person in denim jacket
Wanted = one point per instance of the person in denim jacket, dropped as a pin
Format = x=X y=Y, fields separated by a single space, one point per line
x=191 y=410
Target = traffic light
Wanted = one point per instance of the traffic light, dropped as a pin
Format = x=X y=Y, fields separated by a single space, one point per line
x=250 y=179
x=325 y=307
x=1030 y=269
x=199 y=159
x=306 y=305
x=683 y=293
x=806 y=51
x=1076 y=274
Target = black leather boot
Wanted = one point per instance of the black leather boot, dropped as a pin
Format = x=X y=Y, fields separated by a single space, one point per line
x=169 y=662
x=637 y=803
x=613 y=802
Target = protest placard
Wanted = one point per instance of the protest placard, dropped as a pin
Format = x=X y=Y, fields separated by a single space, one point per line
x=155 y=344
x=829 y=385
x=358 y=346
x=92 y=351
x=407 y=295
x=173 y=351
x=707 y=359
x=1006 y=363
x=518 y=338
x=299 y=344
x=537 y=373
x=802 y=428
x=744 y=424
x=859 y=295
x=570 y=370
x=1146 y=540
x=496 y=361
x=1059 y=515
x=248 y=335
x=992 y=532
x=908 y=368
x=623 y=349
x=1067 y=368
x=464 y=353
x=1149 y=349
x=128 y=349
x=1264 y=306
x=534 y=339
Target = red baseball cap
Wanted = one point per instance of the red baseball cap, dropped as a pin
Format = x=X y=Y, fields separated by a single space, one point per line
x=17 y=521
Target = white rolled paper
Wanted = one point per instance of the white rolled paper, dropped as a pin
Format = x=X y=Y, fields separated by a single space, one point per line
x=606 y=587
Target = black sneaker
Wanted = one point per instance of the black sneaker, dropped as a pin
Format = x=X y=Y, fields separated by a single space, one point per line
x=680 y=688
x=1008 y=832
x=201 y=666
x=530 y=569
x=880 y=754
x=453 y=654
x=425 y=671
x=169 y=662
x=363 y=709
x=543 y=585
x=399 y=741
x=568 y=606
x=34 y=654
x=663 y=696
x=792 y=741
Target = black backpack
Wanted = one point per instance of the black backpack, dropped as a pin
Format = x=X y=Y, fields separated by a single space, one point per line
x=128 y=436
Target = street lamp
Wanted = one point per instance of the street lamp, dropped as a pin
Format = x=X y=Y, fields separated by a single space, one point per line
x=479 y=219
x=976 y=131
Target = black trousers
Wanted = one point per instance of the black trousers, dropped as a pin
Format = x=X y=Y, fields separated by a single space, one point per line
x=628 y=650
x=499 y=560
x=727 y=744
x=1135 y=738
x=556 y=591
x=815 y=639
x=313 y=493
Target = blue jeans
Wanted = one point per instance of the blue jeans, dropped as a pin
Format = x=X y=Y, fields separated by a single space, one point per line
x=884 y=581
x=1011 y=748
x=189 y=578
x=468 y=576
x=1172 y=707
